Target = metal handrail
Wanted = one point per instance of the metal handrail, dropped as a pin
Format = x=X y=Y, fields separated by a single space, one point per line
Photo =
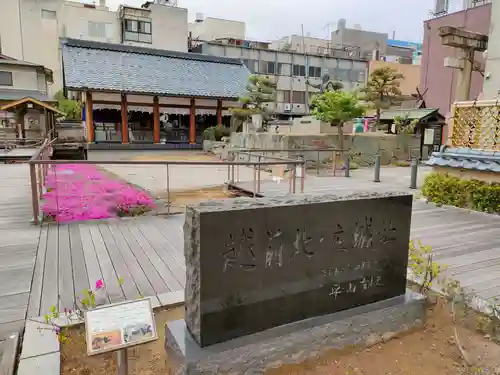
x=39 y=167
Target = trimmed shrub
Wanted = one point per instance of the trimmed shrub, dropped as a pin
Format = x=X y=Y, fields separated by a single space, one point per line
x=216 y=133
x=443 y=189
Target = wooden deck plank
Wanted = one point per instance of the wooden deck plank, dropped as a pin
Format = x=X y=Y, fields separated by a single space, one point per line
x=109 y=275
x=157 y=282
x=93 y=268
x=78 y=264
x=140 y=279
x=172 y=283
x=165 y=251
x=9 y=356
x=171 y=229
x=128 y=286
x=173 y=235
x=66 y=285
x=50 y=289
x=12 y=314
x=13 y=300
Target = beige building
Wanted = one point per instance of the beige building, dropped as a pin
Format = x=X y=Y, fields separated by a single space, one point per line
x=209 y=28
x=30 y=30
x=411 y=74
x=289 y=70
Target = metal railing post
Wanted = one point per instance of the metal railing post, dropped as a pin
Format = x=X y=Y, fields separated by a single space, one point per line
x=294 y=177
x=232 y=173
x=168 y=191
x=414 y=172
x=254 y=181
x=302 y=175
x=346 y=165
x=229 y=173
x=376 y=172
x=34 y=195
x=317 y=164
x=258 y=175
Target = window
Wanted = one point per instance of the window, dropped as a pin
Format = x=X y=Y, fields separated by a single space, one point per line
x=250 y=64
x=315 y=71
x=286 y=97
x=49 y=14
x=144 y=27
x=284 y=69
x=132 y=26
x=299 y=97
x=270 y=68
x=342 y=74
x=97 y=29
x=6 y=79
x=299 y=70
x=137 y=31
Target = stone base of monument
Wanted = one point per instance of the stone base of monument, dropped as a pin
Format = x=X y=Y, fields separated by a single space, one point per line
x=296 y=342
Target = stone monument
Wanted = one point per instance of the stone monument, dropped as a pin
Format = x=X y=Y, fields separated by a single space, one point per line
x=269 y=273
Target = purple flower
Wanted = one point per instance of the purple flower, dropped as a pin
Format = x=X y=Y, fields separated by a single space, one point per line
x=99 y=284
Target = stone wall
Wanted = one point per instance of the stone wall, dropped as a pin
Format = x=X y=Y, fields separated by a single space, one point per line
x=363 y=147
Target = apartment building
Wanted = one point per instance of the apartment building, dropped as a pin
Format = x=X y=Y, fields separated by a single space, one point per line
x=30 y=30
x=290 y=70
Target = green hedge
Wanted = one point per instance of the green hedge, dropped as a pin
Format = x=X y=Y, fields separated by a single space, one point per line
x=215 y=133
x=441 y=188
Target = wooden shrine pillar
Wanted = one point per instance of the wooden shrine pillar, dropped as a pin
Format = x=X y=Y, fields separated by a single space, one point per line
x=124 y=119
x=192 y=122
x=89 y=117
x=156 y=120
x=219 y=113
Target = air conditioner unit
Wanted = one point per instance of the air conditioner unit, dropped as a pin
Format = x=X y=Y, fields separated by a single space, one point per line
x=288 y=107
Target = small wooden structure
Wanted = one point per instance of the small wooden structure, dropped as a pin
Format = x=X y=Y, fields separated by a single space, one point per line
x=46 y=121
x=429 y=126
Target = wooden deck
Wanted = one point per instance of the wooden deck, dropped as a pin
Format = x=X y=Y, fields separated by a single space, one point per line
x=146 y=252
x=18 y=247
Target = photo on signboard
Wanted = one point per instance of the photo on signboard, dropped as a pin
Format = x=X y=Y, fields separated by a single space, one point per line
x=137 y=332
x=105 y=340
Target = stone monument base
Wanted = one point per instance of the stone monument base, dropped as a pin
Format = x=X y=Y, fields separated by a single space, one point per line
x=296 y=342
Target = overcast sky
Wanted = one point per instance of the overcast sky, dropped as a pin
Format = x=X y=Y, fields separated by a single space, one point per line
x=269 y=20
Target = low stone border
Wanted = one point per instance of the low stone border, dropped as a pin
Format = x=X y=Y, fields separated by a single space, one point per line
x=40 y=352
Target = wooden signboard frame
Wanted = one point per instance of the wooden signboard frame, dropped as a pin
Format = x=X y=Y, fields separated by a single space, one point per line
x=123 y=327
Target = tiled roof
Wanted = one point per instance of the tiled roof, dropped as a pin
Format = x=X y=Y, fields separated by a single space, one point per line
x=412 y=113
x=14 y=94
x=120 y=68
x=466 y=158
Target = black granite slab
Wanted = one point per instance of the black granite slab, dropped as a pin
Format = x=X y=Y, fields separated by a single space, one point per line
x=257 y=264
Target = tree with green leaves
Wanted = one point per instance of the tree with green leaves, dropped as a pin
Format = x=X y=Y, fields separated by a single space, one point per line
x=260 y=90
x=382 y=89
x=337 y=108
x=71 y=108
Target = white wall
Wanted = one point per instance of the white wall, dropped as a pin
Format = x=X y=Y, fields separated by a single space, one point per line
x=23 y=78
x=169 y=27
x=217 y=28
x=491 y=87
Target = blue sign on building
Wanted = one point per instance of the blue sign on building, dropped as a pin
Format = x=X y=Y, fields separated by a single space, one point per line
x=404 y=44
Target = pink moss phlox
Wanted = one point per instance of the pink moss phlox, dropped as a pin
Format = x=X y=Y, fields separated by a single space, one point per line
x=78 y=192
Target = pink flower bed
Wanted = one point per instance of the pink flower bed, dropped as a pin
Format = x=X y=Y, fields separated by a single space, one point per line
x=82 y=192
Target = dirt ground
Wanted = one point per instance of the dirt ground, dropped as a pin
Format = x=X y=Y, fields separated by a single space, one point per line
x=429 y=351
